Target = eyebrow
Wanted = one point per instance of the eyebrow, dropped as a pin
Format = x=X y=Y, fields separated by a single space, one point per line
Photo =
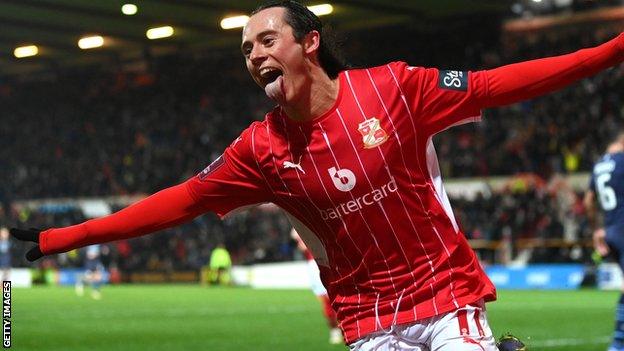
x=245 y=44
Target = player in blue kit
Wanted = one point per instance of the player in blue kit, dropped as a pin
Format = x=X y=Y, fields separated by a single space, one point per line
x=607 y=184
x=94 y=272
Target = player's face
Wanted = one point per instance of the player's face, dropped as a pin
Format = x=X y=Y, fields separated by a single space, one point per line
x=271 y=51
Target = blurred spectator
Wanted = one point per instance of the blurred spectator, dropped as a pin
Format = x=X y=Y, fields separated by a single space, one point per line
x=95 y=132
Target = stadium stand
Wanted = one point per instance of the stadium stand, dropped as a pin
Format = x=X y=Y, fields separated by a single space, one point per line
x=107 y=132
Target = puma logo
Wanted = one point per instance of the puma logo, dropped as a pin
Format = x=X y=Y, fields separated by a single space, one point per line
x=288 y=164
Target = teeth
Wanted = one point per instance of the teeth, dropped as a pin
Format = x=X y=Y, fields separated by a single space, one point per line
x=267 y=71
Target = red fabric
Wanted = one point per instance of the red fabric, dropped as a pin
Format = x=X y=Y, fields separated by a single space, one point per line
x=462 y=319
x=365 y=187
x=328 y=311
x=526 y=80
x=235 y=182
x=477 y=315
x=164 y=209
x=366 y=183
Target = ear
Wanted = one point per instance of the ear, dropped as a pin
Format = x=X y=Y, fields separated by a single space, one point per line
x=311 y=42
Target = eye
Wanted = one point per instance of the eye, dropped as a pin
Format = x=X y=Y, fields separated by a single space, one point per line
x=268 y=41
x=246 y=51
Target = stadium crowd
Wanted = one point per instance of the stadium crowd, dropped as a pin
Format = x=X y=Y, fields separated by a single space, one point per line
x=95 y=133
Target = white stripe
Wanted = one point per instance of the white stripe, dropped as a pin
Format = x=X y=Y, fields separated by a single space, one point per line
x=303 y=186
x=418 y=162
x=302 y=205
x=551 y=343
x=312 y=202
x=436 y=178
x=255 y=154
x=409 y=174
x=370 y=230
x=357 y=322
x=383 y=210
x=409 y=265
x=275 y=161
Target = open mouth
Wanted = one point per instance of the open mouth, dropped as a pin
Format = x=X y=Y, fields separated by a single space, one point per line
x=270 y=74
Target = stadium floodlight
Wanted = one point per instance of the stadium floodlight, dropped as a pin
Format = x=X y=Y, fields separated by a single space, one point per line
x=159 y=32
x=234 y=22
x=322 y=9
x=90 y=42
x=26 y=51
x=129 y=9
x=240 y=21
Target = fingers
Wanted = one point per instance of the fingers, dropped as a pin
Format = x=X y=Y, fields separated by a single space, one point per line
x=25 y=235
x=34 y=254
x=603 y=250
x=31 y=234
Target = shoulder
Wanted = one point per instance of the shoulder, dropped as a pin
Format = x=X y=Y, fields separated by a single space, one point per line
x=394 y=67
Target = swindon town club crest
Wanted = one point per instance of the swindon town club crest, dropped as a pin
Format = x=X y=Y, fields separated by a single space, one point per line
x=372 y=133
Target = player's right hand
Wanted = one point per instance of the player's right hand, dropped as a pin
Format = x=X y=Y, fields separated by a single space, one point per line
x=29 y=235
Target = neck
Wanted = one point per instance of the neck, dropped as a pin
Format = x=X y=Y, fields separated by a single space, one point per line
x=314 y=101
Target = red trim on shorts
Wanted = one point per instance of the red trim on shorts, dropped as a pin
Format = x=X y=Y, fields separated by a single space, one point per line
x=468 y=340
x=462 y=318
x=478 y=323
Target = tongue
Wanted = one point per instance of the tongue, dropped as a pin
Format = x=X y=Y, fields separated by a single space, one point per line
x=275 y=91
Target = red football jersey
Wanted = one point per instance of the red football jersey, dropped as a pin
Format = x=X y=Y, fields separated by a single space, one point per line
x=362 y=186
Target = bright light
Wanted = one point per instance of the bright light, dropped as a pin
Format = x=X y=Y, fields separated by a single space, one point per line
x=322 y=9
x=90 y=42
x=234 y=22
x=159 y=32
x=26 y=51
x=241 y=21
x=537 y=0
x=129 y=9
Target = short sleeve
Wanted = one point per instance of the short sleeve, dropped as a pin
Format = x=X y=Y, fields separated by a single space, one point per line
x=440 y=99
x=232 y=180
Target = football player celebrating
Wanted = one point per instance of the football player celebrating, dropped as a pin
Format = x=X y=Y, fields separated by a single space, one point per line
x=348 y=155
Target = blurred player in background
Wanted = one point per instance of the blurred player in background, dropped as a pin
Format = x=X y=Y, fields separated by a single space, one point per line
x=607 y=185
x=220 y=266
x=335 y=335
x=94 y=273
x=5 y=254
x=348 y=155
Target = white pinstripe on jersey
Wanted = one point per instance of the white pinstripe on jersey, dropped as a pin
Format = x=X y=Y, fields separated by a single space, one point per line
x=370 y=230
x=290 y=194
x=255 y=152
x=341 y=220
x=411 y=118
x=411 y=181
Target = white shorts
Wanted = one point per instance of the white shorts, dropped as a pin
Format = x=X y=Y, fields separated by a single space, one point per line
x=315 y=279
x=465 y=329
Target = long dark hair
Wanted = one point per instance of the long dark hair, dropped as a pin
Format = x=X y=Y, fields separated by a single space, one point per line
x=303 y=21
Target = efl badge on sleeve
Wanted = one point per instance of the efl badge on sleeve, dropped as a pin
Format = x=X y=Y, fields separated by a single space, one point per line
x=372 y=133
x=453 y=80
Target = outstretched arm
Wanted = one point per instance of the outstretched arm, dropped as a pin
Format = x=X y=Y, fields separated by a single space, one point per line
x=522 y=81
x=166 y=208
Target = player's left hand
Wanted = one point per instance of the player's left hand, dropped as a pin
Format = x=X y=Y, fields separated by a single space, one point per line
x=29 y=235
x=599 y=242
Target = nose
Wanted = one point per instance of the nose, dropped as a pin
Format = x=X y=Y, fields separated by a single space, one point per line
x=257 y=55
